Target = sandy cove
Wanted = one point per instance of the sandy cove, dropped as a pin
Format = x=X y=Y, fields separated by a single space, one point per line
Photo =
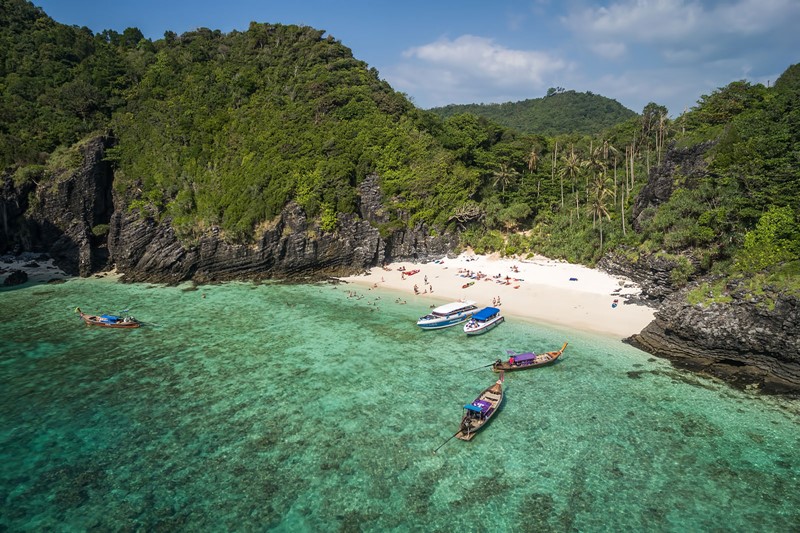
x=538 y=289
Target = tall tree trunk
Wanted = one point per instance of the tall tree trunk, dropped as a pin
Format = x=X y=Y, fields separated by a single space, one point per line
x=633 y=178
x=561 y=178
x=601 y=235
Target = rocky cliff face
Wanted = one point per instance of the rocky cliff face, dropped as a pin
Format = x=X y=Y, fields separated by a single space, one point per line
x=653 y=272
x=293 y=247
x=750 y=341
x=78 y=221
x=689 y=163
x=147 y=251
x=59 y=217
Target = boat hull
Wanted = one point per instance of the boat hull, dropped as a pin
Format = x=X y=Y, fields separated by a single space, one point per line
x=545 y=359
x=445 y=322
x=95 y=320
x=484 y=327
x=114 y=326
x=470 y=426
x=448 y=315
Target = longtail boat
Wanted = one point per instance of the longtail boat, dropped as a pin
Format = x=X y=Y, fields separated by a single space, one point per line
x=524 y=361
x=109 y=321
x=482 y=408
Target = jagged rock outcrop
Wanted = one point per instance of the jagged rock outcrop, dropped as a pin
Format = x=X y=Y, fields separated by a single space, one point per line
x=292 y=247
x=654 y=273
x=58 y=216
x=749 y=341
x=689 y=163
x=416 y=244
x=16 y=277
x=61 y=218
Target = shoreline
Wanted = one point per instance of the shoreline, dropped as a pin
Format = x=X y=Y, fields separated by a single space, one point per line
x=542 y=290
x=538 y=290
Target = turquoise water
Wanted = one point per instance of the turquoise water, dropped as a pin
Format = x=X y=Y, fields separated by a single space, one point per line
x=298 y=408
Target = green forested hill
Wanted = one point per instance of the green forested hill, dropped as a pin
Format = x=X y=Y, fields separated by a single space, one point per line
x=223 y=130
x=557 y=113
x=57 y=82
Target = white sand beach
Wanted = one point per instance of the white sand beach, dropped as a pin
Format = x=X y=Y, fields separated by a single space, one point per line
x=538 y=289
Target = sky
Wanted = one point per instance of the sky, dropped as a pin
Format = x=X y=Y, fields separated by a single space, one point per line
x=441 y=52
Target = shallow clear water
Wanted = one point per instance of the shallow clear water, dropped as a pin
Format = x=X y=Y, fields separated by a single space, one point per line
x=296 y=408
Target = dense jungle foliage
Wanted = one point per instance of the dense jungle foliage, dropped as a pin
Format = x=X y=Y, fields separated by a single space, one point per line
x=559 y=112
x=222 y=130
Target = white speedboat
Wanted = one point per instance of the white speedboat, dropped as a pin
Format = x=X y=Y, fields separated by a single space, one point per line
x=447 y=315
x=482 y=321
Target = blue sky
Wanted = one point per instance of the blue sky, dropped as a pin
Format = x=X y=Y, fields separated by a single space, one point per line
x=440 y=52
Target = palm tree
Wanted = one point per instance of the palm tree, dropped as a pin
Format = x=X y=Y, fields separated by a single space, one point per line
x=596 y=164
x=598 y=203
x=553 y=172
x=533 y=163
x=504 y=176
x=572 y=170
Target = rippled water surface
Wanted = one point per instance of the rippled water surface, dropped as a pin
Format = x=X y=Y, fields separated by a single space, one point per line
x=299 y=408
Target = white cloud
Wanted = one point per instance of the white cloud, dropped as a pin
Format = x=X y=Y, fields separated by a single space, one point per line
x=478 y=57
x=750 y=17
x=636 y=20
x=472 y=67
x=678 y=25
x=635 y=51
x=609 y=50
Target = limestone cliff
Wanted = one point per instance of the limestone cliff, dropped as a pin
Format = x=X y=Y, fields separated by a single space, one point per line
x=85 y=227
x=749 y=341
x=63 y=215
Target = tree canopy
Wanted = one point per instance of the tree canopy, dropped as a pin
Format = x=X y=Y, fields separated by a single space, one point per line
x=223 y=130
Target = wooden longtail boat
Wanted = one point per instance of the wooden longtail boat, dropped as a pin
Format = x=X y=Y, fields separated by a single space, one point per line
x=524 y=361
x=483 y=408
x=109 y=321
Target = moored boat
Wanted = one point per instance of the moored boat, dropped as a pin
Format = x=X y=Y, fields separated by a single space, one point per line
x=478 y=413
x=523 y=361
x=109 y=321
x=484 y=320
x=447 y=315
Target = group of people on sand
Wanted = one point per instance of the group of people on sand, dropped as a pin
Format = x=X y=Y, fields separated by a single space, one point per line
x=428 y=289
x=495 y=301
x=467 y=273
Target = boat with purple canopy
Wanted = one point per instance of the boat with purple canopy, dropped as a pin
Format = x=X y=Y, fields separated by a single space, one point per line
x=479 y=411
x=523 y=361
